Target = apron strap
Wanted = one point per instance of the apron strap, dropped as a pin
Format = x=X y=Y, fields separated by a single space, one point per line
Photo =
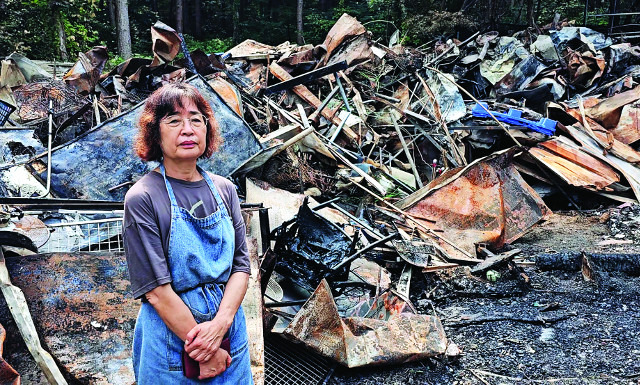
x=214 y=190
x=172 y=197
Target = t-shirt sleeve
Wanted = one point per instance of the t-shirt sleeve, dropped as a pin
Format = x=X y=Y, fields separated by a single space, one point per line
x=148 y=267
x=241 y=261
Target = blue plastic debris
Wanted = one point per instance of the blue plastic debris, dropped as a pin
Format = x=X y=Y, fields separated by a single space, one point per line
x=544 y=126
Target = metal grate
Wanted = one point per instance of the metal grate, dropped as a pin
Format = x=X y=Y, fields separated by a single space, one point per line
x=95 y=235
x=286 y=363
x=5 y=110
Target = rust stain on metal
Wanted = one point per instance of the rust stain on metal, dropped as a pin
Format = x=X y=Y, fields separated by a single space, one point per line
x=606 y=140
x=8 y=375
x=345 y=28
x=486 y=202
x=358 y=341
x=628 y=128
x=575 y=166
x=82 y=307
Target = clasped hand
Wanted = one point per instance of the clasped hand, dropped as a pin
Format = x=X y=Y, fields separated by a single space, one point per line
x=203 y=345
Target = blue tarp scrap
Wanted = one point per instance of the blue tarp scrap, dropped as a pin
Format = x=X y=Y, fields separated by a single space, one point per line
x=544 y=126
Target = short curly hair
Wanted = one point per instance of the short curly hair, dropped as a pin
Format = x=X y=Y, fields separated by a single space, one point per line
x=162 y=102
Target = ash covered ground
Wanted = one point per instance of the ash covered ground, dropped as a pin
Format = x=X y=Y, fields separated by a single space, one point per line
x=558 y=329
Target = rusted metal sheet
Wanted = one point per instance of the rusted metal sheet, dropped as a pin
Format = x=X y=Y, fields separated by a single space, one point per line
x=606 y=140
x=381 y=307
x=252 y=79
x=85 y=74
x=8 y=375
x=608 y=111
x=584 y=68
x=228 y=93
x=591 y=145
x=345 y=28
x=355 y=51
x=249 y=48
x=362 y=269
x=628 y=128
x=91 y=165
x=82 y=307
x=357 y=341
x=485 y=202
x=574 y=166
x=165 y=43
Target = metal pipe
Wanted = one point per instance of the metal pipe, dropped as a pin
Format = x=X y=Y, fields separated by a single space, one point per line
x=337 y=131
x=325 y=101
x=90 y=222
x=49 y=150
x=294 y=140
x=357 y=220
x=324 y=204
x=342 y=93
x=408 y=154
x=364 y=250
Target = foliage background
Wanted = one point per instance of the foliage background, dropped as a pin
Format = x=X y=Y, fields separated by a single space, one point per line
x=30 y=26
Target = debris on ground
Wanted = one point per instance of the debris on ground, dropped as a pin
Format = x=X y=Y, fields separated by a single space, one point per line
x=368 y=171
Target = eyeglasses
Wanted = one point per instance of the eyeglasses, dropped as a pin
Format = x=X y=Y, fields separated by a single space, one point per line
x=197 y=121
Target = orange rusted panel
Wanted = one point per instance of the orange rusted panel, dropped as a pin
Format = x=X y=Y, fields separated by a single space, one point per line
x=572 y=173
x=606 y=139
x=358 y=341
x=8 y=375
x=165 y=43
x=227 y=92
x=485 y=202
x=608 y=111
x=575 y=166
x=85 y=74
x=628 y=128
x=345 y=28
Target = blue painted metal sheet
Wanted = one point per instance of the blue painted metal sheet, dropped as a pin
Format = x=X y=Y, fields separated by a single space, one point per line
x=103 y=158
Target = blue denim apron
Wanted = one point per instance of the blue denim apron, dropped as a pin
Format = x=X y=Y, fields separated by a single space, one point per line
x=200 y=258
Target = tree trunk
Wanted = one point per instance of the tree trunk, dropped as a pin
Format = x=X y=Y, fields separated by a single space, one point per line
x=300 y=39
x=154 y=5
x=492 y=13
x=179 y=9
x=235 y=9
x=197 y=9
x=124 y=33
x=530 y=18
x=112 y=13
x=62 y=38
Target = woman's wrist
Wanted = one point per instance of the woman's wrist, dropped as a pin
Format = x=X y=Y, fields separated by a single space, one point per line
x=225 y=319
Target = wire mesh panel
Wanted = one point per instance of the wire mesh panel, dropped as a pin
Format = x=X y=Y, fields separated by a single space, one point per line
x=286 y=363
x=96 y=235
x=5 y=110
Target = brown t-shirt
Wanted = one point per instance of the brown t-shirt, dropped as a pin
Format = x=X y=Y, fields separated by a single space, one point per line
x=147 y=222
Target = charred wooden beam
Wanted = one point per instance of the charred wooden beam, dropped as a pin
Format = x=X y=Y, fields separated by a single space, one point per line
x=306 y=77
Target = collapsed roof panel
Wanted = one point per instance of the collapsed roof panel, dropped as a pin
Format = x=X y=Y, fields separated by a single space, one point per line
x=92 y=165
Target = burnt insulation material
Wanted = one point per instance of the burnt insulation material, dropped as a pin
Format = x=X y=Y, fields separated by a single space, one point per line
x=309 y=247
x=572 y=261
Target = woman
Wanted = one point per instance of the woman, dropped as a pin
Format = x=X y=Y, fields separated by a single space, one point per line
x=186 y=250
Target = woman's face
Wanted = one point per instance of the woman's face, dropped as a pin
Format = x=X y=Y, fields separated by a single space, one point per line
x=182 y=134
